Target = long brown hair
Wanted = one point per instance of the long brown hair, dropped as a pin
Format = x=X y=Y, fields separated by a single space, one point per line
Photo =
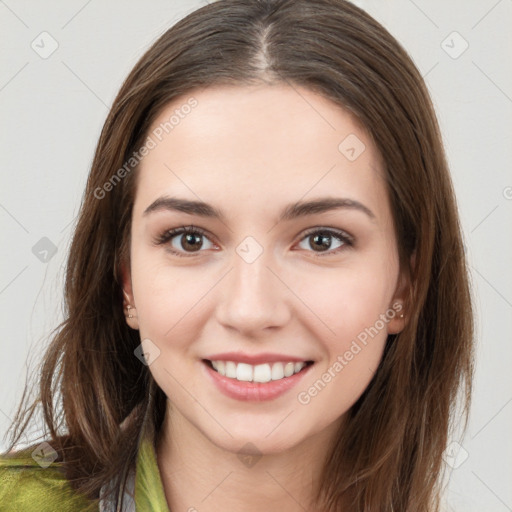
x=391 y=446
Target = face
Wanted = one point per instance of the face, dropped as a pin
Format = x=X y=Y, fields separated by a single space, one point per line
x=260 y=273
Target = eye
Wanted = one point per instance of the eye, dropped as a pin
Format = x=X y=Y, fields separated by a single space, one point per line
x=323 y=237
x=190 y=239
x=183 y=239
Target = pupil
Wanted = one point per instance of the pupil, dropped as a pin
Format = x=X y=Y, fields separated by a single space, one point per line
x=322 y=240
x=189 y=237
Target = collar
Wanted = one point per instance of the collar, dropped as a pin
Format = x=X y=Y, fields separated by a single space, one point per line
x=149 y=490
x=144 y=489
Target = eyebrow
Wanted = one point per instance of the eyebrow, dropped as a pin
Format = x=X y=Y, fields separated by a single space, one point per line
x=291 y=211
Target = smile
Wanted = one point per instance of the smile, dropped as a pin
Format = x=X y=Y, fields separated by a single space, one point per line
x=255 y=383
x=265 y=372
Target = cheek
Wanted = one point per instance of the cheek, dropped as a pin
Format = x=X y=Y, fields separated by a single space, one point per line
x=167 y=298
x=354 y=313
x=336 y=387
x=347 y=300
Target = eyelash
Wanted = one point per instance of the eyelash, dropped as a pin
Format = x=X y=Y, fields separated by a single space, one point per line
x=342 y=236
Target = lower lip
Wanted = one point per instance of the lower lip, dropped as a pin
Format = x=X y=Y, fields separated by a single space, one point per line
x=254 y=391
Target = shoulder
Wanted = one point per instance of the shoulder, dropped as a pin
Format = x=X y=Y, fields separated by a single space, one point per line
x=36 y=483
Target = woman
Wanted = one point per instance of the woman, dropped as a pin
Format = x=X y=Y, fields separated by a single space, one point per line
x=267 y=296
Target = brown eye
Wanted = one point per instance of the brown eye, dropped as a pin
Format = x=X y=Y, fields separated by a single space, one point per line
x=322 y=241
x=189 y=241
x=183 y=240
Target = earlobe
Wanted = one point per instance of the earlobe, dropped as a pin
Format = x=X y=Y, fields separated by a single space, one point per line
x=130 y=313
x=398 y=306
x=397 y=317
x=129 y=309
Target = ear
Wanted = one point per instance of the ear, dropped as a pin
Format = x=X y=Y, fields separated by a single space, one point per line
x=129 y=308
x=399 y=302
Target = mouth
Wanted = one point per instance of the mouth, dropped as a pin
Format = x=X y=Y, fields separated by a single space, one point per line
x=260 y=373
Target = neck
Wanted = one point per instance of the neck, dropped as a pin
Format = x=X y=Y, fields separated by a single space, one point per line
x=199 y=475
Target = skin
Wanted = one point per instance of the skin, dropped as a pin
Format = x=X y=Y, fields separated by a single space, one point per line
x=250 y=151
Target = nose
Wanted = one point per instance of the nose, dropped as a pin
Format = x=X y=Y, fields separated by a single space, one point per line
x=253 y=297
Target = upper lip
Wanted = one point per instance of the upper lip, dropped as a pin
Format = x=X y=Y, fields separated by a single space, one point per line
x=253 y=359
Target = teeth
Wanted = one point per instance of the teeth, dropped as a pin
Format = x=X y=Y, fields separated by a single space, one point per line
x=289 y=368
x=262 y=373
x=243 y=372
x=258 y=373
x=230 y=369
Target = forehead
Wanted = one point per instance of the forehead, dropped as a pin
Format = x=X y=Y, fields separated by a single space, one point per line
x=271 y=141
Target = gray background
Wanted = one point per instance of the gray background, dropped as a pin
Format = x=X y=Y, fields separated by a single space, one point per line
x=52 y=111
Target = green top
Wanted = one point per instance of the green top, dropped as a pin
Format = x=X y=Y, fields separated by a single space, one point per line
x=26 y=485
